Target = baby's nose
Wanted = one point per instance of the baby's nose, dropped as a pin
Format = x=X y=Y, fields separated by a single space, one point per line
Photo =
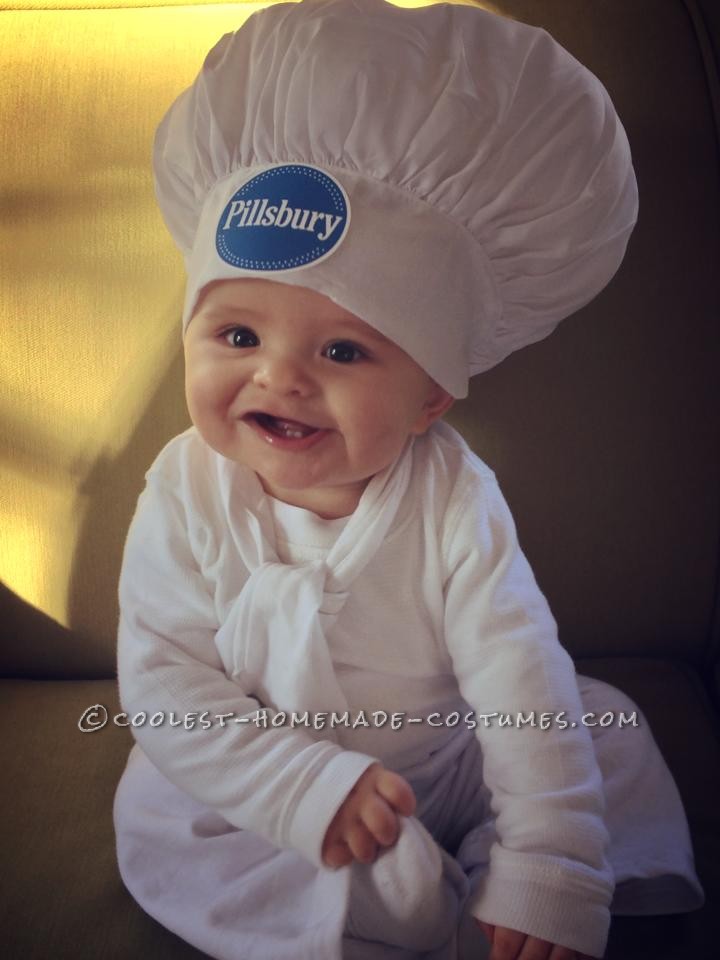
x=283 y=374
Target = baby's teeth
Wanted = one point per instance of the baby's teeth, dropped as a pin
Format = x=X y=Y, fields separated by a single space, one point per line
x=292 y=433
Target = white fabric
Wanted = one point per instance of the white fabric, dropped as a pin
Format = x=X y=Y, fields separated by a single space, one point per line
x=446 y=594
x=472 y=147
x=281 y=601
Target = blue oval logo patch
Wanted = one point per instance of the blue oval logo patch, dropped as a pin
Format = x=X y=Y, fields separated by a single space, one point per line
x=282 y=219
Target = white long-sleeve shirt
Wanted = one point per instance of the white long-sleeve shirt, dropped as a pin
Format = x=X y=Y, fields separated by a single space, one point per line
x=445 y=616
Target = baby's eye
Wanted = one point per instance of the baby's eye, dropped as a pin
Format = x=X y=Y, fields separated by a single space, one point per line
x=342 y=351
x=240 y=337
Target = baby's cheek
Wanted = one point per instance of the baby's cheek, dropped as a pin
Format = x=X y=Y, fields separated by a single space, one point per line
x=205 y=409
x=196 y=402
x=205 y=385
x=379 y=442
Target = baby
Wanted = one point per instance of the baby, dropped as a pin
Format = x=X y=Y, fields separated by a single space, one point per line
x=374 y=729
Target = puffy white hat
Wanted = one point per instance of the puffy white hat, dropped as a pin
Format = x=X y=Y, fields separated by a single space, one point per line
x=456 y=179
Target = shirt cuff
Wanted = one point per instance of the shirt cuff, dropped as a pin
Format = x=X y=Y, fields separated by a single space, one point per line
x=566 y=903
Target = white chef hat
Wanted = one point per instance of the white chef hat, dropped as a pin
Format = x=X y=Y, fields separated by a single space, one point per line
x=456 y=179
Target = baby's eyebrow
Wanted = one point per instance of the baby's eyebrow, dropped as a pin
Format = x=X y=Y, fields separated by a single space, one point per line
x=341 y=325
x=228 y=311
x=359 y=329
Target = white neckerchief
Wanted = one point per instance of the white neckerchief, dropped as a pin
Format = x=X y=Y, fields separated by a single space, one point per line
x=273 y=642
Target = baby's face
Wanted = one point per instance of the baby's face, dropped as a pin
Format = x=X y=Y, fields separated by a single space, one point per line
x=313 y=399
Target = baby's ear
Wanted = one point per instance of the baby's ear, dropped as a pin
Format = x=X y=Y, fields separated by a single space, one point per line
x=437 y=403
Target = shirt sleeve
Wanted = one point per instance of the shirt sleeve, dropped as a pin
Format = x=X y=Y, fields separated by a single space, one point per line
x=279 y=782
x=548 y=874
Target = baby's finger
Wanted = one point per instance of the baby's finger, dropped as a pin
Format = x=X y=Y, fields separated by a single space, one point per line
x=337 y=855
x=507 y=944
x=563 y=953
x=536 y=949
x=361 y=843
x=381 y=820
x=397 y=791
x=487 y=928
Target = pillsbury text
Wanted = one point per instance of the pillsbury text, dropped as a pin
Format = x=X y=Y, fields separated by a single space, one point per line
x=260 y=213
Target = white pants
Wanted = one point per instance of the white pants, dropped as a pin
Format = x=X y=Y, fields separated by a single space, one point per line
x=236 y=897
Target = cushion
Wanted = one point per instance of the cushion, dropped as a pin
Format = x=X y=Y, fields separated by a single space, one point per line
x=58 y=842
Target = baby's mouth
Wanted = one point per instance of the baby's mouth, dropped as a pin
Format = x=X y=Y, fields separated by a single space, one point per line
x=279 y=427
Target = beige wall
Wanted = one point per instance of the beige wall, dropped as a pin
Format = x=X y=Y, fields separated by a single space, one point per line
x=91 y=288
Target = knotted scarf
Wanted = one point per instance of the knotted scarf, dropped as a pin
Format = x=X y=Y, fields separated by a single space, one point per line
x=274 y=641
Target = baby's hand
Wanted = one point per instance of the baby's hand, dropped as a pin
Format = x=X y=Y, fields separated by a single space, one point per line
x=513 y=945
x=368 y=817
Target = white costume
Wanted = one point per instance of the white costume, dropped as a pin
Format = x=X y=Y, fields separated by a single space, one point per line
x=461 y=183
x=421 y=603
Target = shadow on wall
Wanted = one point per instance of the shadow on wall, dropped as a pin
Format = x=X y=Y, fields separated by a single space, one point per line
x=35 y=644
x=109 y=494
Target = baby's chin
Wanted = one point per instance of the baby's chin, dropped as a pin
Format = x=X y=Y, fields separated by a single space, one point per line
x=327 y=502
